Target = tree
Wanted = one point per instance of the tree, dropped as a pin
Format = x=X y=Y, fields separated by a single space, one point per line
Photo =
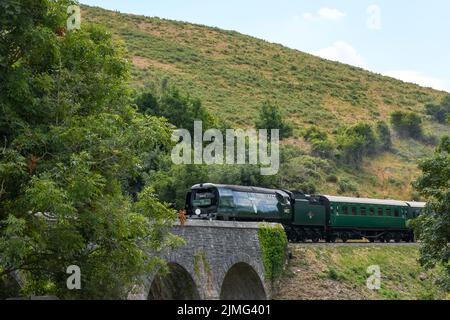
x=70 y=140
x=270 y=118
x=433 y=226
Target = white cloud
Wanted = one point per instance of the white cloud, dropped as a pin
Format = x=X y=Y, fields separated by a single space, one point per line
x=420 y=79
x=324 y=14
x=342 y=52
x=374 y=19
x=330 y=14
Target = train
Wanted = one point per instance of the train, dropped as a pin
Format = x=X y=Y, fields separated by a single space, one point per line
x=306 y=217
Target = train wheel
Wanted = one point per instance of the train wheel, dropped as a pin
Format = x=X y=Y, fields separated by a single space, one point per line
x=332 y=239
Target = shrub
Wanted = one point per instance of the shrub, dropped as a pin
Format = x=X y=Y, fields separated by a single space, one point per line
x=270 y=118
x=323 y=149
x=304 y=174
x=273 y=243
x=320 y=145
x=440 y=112
x=332 y=178
x=356 y=142
x=384 y=136
x=346 y=185
x=407 y=124
x=314 y=133
x=335 y=275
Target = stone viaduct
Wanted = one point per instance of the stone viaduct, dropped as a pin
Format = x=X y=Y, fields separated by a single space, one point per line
x=221 y=260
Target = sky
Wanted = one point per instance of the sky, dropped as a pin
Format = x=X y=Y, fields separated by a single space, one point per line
x=405 y=39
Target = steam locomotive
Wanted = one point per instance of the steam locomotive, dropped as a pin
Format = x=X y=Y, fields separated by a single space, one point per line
x=306 y=217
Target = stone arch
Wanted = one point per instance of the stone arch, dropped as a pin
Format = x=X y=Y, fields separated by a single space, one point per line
x=242 y=279
x=177 y=284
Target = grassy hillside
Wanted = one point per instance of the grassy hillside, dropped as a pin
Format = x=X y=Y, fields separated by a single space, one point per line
x=339 y=273
x=234 y=73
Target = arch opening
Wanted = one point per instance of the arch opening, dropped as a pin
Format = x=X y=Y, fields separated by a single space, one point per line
x=242 y=282
x=177 y=284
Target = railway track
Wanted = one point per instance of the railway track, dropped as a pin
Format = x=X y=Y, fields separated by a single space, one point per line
x=355 y=244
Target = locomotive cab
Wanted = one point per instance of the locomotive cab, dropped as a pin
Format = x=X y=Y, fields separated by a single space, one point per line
x=202 y=202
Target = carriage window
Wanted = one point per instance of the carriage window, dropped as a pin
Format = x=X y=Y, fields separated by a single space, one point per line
x=354 y=211
x=396 y=212
x=380 y=212
x=388 y=212
x=345 y=210
x=363 y=211
x=372 y=211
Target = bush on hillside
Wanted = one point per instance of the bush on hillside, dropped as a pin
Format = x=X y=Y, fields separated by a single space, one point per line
x=384 y=136
x=347 y=186
x=439 y=112
x=321 y=146
x=270 y=117
x=407 y=124
x=357 y=141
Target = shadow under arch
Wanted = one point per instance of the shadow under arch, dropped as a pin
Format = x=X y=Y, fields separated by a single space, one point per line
x=177 y=284
x=242 y=282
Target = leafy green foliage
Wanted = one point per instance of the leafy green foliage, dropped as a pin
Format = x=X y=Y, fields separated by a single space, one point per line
x=180 y=110
x=407 y=124
x=321 y=146
x=304 y=174
x=347 y=186
x=357 y=141
x=384 y=136
x=433 y=227
x=71 y=140
x=439 y=112
x=273 y=242
x=270 y=117
x=173 y=185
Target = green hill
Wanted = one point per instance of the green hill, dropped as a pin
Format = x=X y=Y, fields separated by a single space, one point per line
x=233 y=74
x=340 y=273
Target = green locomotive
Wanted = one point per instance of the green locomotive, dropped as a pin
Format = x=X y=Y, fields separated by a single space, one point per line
x=306 y=217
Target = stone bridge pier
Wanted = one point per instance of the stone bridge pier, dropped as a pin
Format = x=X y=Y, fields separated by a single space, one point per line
x=221 y=260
